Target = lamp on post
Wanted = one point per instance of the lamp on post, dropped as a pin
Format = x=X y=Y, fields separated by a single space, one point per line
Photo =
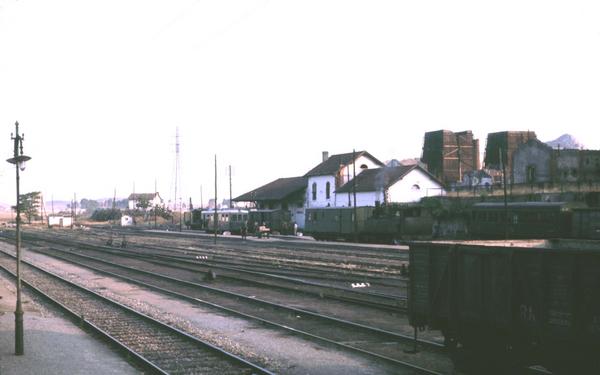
x=18 y=160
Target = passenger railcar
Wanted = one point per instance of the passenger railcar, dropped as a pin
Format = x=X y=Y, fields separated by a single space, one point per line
x=228 y=220
x=193 y=219
x=523 y=220
x=381 y=224
x=336 y=223
x=278 y=221
x=503 y=306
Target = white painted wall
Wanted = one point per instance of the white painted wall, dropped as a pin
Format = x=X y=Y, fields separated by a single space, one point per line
x=362 y=199
x=348 y=170
x=406 y=191
x=321 y=200
x=335 y=200
x=156 y=201
x=402 y=191
x=126 y=220
x=60 y=221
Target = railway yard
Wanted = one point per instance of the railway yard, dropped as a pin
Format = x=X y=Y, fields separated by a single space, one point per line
x=253 y=306
x=183 y=303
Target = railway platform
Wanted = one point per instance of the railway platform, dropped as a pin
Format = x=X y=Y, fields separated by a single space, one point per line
x=53 y=344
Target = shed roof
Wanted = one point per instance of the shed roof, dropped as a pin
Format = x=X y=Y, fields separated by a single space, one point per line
x=379 y=178
x=332 y=164
x=275 y=190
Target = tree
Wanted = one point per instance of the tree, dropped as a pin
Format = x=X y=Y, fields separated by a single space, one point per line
x=29 y=205
x=106 y=214
x=143 y=203
x=89 y=205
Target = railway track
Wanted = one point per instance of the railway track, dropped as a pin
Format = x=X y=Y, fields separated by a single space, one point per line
x=383 y=345
x=159 y=347
x=196 y=261
x=371 y=262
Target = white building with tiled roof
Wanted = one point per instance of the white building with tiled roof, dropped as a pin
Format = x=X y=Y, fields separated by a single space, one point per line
x=334 y=171
x=391 y=185
x=153 y=200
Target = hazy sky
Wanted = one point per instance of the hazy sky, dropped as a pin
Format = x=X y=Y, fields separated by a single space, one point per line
x=100 y=87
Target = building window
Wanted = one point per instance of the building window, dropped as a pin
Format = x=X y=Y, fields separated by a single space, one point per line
x=416 y=187
x=314 y=191
x=327 y=190
x=364 y=166
x=530 y=173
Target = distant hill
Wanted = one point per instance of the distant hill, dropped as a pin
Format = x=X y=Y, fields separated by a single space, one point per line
x=566 y=141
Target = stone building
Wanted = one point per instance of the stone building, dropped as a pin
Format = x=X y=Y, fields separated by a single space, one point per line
x=500 y=148
x=532 y=162
x=576 y=165
x=536 y=162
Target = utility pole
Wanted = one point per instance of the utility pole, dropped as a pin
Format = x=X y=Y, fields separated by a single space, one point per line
x=215 y=217
x=230 y=196
x=505 y=197
x=458 y=155
x=348 y=180
x=180 y=215
x=73 y=213
x=354 y=194
x=42 y=208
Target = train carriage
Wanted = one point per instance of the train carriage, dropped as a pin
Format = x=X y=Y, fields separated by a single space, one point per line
x=380 y=224
x=193 y=219
x=278 y=221
x=523 y=220
x=228 y=220
x=336 y=223
x=508 y=305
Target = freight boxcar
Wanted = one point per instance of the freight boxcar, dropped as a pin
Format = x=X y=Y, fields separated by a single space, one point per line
x=506 y=305
x=586 y=223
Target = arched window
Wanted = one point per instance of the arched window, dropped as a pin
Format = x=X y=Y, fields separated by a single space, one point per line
x=364 y=166
x=327 y=190
x=416 y=187
x=314 y=191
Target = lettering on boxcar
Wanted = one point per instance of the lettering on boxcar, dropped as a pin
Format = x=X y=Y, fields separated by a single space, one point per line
x=527 y=313
x=559 y=318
